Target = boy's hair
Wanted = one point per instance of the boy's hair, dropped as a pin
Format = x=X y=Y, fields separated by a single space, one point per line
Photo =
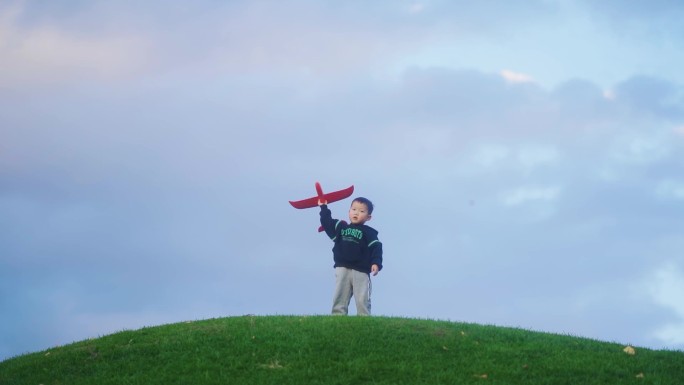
x=366 y=202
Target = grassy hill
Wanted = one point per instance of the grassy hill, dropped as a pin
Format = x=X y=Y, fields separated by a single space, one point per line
x=340 y=350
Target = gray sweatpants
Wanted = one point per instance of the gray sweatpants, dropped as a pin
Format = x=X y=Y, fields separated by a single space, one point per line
x=348 y=283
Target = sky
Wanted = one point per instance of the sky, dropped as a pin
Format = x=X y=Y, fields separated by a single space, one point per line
x=525 y=159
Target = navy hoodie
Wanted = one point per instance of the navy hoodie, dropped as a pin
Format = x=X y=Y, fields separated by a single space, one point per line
x=356 y=246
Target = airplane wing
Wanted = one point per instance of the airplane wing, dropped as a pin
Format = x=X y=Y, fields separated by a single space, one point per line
x=329 y=197
x=305 y=203
x=338 y=195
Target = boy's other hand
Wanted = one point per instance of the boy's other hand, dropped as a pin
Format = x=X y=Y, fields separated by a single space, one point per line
x=374 y=270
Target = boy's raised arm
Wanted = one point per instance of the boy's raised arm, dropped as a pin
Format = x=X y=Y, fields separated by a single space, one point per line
x=328 y=222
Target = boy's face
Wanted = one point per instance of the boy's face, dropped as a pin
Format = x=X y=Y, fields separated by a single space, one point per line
x=358 y=213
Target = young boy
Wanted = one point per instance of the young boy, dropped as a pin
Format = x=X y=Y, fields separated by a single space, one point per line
x=357 y=254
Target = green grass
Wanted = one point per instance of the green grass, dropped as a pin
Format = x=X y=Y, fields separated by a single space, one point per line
x=340 y=350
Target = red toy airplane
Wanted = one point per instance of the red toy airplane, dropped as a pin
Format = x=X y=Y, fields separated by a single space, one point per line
x=323 y=198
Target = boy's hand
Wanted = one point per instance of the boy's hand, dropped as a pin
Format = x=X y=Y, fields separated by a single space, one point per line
x=374 y=270
x=322 y=202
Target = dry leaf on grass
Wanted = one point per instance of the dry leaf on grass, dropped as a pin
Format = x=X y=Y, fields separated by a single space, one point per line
x=629 y=350
x=273 y=365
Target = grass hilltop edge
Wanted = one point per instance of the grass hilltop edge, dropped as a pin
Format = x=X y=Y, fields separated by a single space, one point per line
x=341 y=350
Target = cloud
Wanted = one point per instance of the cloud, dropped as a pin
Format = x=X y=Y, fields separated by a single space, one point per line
x=515 y=77
x=416 y=8
x=620 y=13
x=609 y=94
x=666 y=286
x=679 y=130
x=47 y=53
x=524 y=159
x=655 y=95
x=490 y=154
x=670 y=189
x=301 y=38
x=525 y=195
x=533 y=157
x=639 y=148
